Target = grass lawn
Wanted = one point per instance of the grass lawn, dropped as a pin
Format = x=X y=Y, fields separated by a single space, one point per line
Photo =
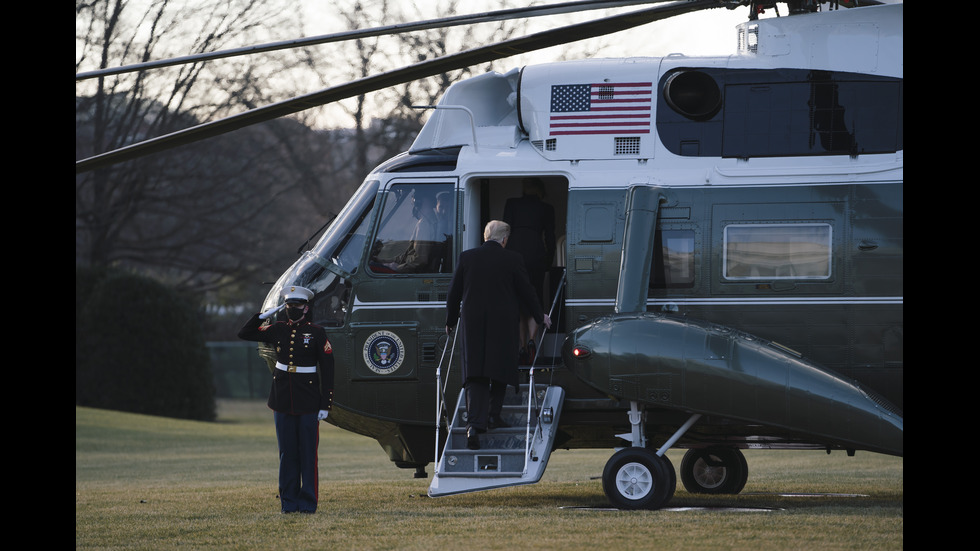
x=146 y=482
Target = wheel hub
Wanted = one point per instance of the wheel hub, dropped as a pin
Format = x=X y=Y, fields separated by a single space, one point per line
x=634 y=481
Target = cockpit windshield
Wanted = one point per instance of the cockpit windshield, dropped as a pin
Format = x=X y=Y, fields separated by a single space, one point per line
x=335 y=242
x=324 y=268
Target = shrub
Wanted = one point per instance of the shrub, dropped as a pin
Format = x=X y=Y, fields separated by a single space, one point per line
x=139 y=347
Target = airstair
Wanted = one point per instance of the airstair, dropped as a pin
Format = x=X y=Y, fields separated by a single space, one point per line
x=507 y=456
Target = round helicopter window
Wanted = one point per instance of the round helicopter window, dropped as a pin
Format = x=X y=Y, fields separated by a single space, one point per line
x=693 y=94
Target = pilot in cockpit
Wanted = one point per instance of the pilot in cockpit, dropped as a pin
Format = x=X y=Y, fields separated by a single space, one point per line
x=422 y=250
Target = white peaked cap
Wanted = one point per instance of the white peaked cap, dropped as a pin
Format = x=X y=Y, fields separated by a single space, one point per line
x=294 y=293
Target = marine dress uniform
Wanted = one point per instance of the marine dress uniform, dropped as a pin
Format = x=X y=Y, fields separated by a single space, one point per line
x=301 y=395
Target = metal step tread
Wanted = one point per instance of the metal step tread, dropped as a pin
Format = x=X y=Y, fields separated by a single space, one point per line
x=521 y=430
x=487 y=450
x=483 y=474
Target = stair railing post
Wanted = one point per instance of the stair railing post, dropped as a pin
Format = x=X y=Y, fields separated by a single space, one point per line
x=441 y=395
x=530 y=390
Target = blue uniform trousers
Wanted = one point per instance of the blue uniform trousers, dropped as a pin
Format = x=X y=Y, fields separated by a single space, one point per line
x=299 y=438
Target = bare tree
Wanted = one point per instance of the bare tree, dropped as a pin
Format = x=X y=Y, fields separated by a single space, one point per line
x=354 y=154
x=194 y=215
x=235 y=207
x=384 y=123
x=442 y=41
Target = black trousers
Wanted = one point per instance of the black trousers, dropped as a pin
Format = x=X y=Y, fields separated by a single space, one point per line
x=299 y=478
x=484 y=399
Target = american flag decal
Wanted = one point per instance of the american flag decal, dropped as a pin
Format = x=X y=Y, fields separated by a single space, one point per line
x=608 y=108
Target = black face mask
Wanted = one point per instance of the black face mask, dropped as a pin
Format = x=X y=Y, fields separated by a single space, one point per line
x=296 y=314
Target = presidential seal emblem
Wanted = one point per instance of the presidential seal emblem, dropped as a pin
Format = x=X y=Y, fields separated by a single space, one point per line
x=383 y=352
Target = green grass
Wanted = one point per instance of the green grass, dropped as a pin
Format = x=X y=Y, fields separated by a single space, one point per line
x=146 y=482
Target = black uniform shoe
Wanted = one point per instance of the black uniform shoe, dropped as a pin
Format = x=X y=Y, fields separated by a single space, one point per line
x=472 y=440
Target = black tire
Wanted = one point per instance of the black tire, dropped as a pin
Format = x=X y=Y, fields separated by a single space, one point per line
x=672 y=484
x=714 y=471
x=636 y=478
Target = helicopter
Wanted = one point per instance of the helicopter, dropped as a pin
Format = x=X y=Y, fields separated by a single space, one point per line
x=728 y=269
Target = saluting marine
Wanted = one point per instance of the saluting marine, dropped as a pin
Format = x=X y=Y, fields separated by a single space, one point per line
x=301 y=394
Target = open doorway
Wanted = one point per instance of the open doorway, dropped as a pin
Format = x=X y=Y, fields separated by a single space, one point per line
x=486 y=198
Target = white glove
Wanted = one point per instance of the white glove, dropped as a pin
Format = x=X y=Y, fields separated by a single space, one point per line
x=322 y=415
x=271 y=311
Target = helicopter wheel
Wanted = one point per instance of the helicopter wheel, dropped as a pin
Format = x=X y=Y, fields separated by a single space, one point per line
x=635 y=478
x=714 y=471
x=672 y=483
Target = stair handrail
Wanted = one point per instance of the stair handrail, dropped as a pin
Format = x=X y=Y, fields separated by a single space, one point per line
x=441 y=395
x=531 y=397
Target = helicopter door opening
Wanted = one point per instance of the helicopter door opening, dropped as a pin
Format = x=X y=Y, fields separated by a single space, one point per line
x=486 y=198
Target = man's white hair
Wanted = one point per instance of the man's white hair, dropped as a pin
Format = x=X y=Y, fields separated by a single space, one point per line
x=496 y=230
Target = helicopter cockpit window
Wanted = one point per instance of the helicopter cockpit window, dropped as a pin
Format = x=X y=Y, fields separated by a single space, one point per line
x=777 y=251
x=340 y=247
x=344 y=240
x=416 y=229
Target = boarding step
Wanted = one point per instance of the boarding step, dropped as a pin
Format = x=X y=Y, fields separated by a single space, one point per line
x=507 y=457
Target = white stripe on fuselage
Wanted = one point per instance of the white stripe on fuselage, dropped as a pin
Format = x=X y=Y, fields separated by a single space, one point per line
x=739 y=301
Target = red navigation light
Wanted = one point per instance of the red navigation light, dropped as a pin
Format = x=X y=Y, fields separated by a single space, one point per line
x=581 y=352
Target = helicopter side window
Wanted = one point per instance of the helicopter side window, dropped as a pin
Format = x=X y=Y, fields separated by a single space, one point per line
x=673 y=260
x=416 y=229
x=777 y=251
x=779 y=112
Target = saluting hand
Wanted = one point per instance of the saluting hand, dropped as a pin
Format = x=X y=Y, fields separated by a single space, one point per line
x=268 y=313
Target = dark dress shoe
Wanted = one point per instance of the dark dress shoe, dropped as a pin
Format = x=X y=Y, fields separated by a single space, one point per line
x=472 y=440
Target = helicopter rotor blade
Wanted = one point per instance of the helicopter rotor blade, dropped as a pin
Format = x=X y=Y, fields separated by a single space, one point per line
x=506 y=48
x=452 y=21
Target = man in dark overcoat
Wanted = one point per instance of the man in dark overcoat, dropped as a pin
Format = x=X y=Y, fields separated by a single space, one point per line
x=488 y=289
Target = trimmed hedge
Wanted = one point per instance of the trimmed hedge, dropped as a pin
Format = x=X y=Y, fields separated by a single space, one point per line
x=139 y=347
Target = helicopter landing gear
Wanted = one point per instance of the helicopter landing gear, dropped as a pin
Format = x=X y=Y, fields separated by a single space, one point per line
x=638 y=477
x=715 y=470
